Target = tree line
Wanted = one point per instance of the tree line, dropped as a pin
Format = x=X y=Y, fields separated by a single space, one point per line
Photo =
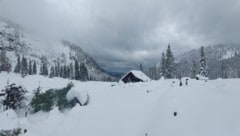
x=77 y=71
x=168 y=66
x=25 y=66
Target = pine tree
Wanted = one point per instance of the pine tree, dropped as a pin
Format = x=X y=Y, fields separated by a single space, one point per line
x=193 y=70
x=203 y=71
x=163 y=65
x=34 y=68
x=18 y=65
x=152 y=72
x=41 y=69
x=141 y=67
x=65 y=71
x=44 y=67
x=71 y=73
x=56 y=71
x=44 y=70
x=52 y=71
x=170 y=63
x=24 y=67
x=58 y=68
x=5 y=64
x=61 y=71
x=30 y=68
x=14 y=96
x=77 y=73
x=68 y=71
x=155 y=72
x=223 y=71
x=83 y=72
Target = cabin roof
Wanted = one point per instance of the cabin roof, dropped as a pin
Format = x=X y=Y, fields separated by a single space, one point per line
x=138 y=74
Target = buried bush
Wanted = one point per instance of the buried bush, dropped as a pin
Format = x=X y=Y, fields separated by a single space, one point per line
x=62 y=102
x=13 y=97
x=53 y=97
x=42 y=101
x=13 y=132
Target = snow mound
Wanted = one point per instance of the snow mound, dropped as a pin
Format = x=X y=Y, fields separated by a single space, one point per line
x=199 y=77
x=81 y=95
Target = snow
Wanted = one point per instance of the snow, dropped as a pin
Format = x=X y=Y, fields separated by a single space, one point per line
x=228 y=55
x=203 y=108
x=80 y=94
x=201 y=77
x=138 y=74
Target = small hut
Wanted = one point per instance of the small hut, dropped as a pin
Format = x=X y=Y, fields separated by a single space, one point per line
x=134 y=76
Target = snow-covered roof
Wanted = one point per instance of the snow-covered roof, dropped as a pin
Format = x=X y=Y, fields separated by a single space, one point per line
x=138 y=74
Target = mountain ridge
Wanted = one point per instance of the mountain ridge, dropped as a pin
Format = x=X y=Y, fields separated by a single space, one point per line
x=17 y=42
x=218 y=56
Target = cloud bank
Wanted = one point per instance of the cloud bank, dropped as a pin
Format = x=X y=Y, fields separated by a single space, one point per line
x=120 y=34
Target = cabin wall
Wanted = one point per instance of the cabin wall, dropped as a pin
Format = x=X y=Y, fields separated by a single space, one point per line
x=131 y=78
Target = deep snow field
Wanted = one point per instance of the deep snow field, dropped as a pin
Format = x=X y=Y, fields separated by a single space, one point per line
x=138 y=109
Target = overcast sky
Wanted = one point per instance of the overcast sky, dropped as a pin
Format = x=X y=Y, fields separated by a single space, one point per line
x=119 y=33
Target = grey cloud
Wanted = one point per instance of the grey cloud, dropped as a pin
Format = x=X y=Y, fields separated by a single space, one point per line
x=120 y=34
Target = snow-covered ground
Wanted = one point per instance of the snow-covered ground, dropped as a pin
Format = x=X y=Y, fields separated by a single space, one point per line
x=203 y=109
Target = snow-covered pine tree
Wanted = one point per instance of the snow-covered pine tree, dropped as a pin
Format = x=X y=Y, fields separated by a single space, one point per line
x=61 y=71
x=170 y=63
x=5 y=64
x=24 y=67
x=155 y=72
x=68 y=71
x=193 y=70
x=163 y=66
x=55 y=71
x=83 y=72
x=44 y=67
x=203 y=70
x=30 y=68
x=71 y=73
x=52 y=72
x=223 y=71
x=141 y=67
x=46 y=70
x=150 y=72
x=34 y=68
x=65 y=71
x=18 y=65
x=58 y=68
x=41 y=69
x=14 y=96
x=76 y=68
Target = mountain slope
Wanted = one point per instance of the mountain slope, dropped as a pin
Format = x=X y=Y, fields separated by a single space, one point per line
x=221 y=58
x=17 y=42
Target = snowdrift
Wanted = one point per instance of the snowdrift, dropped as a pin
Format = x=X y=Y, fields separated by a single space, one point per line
x=203 y=109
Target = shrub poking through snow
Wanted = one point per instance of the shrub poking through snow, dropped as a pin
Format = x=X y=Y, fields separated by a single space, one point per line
x=61 y=98
x=14 y=97
x=175 y=114
x=13 y=132
x=53 y=97
x=42 y=101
